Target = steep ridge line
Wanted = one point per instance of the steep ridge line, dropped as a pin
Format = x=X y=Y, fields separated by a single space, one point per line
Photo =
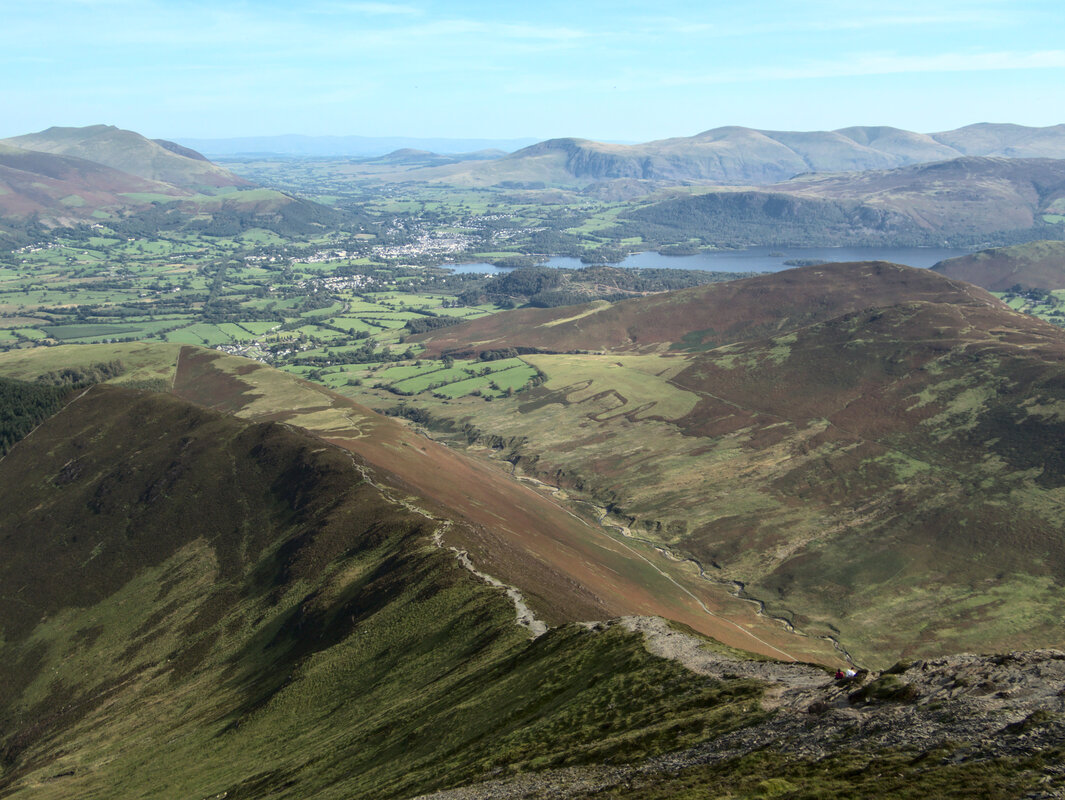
x=525 y=616
x=573 y=563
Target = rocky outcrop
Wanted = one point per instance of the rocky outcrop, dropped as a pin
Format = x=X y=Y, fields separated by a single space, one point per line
x=974 y=707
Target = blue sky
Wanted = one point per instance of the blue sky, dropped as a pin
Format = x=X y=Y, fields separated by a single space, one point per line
x=624 y=70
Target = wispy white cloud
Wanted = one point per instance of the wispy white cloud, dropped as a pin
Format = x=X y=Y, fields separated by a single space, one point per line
x=887 y=64
x=498 y=30
x=841 y=22
x=481 y=62
x=373 y=9
x=852 y=66
x=346 y=29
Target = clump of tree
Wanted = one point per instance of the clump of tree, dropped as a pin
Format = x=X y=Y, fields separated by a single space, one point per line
x=424 y=323
x=413 y=413
x=23 y=406
x=83 y=375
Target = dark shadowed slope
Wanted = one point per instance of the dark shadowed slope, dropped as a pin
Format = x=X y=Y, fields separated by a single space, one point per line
x=193 y=605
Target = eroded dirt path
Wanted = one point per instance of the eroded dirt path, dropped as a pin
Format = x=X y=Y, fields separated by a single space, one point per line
x=525 y=616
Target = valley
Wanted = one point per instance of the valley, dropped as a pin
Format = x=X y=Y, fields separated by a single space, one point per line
x=280 y=486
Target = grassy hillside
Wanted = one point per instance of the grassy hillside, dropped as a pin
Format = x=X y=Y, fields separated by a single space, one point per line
x=1036 y=265
x=196 y=605
x=854 y=465
x=130 y=152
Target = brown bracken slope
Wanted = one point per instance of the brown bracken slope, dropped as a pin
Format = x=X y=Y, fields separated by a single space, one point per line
x=707 y=316
x=886 y=463
x=569 y=568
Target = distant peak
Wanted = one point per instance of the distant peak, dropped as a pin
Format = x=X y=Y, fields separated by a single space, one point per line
x=180 y=150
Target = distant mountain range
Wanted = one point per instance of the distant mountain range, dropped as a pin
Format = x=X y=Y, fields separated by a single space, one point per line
x=979 y=185
x=357 y=146
x=964 y=201
x=738 y=155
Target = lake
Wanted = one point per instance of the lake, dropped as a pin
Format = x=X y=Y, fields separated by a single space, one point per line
x=757 y=259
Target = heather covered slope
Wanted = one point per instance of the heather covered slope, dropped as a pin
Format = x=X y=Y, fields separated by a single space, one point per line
x=887 y=466
x=710 y=315
x=195 y=605
x=66 y=176
x=33 y=182
x=1035 y=265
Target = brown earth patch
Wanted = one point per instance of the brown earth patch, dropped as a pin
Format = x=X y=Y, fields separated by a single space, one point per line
x=199 y=381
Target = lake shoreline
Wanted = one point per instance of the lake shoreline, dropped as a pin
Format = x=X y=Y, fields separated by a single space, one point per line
x=751 y=259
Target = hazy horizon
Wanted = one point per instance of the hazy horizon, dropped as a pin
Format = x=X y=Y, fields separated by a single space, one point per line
x=622 y=71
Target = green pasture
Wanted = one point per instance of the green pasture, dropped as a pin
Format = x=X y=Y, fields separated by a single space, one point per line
x=421 y=382
x=462 y=379
x=150 y=197
x=513 y=378
x=201 y=333
x=328 y=311
x=392 y=321
x=89 y=331
x=350 y=323
x=260 y=236
x=257 y=328
x=404 y=371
